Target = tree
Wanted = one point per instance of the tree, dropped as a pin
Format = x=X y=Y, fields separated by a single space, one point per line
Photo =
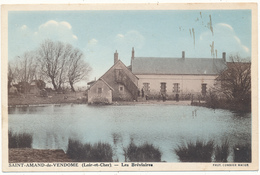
x=23 y=69
x=78 y=69
x=52 y=59
x=11 y=75
x=236 y=81
x=40 y=84
x=62 y=63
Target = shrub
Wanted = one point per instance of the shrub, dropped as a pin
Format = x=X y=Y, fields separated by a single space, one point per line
x=222 y=152
x=195 y=152
x=100 y=152
x=242 y=153
x=144 y=153
x=100 y=101
x=23 y=140
x=212 y=99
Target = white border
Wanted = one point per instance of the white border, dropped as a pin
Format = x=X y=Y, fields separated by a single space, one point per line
x=128 y=1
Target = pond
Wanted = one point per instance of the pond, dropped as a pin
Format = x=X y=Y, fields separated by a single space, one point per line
x=164 y=126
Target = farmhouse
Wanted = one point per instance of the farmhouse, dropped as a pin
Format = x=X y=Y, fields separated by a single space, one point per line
x=154 y=77
x=121 y=82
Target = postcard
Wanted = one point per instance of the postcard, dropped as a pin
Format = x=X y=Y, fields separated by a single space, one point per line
x=130 y=87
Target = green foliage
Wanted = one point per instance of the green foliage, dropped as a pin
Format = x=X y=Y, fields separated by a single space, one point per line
x=99 y=152
x=23 y=140
x=195 y=152
x=144 y=153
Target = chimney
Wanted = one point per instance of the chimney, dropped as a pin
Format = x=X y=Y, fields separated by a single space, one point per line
x=224 y=56
x=133 y=53
x=115 y=57
x=183 y=55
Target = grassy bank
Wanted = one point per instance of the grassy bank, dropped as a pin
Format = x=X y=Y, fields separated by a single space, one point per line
x=143 y=153
x=52 y=98
x=210 y=152
x=200 y=151
x=21 y=140
x=99 y=152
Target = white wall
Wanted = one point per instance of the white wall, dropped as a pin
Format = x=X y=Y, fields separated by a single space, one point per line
x=188 y=83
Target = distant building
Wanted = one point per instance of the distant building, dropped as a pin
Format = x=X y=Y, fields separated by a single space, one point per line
x=34 y=88
x=155 y=77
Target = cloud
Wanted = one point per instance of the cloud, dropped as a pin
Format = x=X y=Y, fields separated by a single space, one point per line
x=64 y=23
x=130 y=39
x=246 y=49
x=55 y=30
x=120 y=36
x=93 y=41
x=225 y=25
x=53 y=23
x=75 y=37
x=24 y=27
x=225 y=40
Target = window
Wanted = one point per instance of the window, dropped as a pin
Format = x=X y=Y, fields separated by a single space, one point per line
x=99 y=90
x=204 y=89
x=117 y=75
x=121 y=88
x=146 y=87
x=176 y=87
x=163 y=87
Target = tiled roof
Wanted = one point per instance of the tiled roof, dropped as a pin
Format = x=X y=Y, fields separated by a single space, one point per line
x=178 y=66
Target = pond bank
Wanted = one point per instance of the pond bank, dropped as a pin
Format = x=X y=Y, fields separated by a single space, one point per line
x=39 y=155
x=75 y=98
x=30 y=100
x=183 y=103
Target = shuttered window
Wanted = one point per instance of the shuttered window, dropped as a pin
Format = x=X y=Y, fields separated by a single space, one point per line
x=146 y=87
x=203 y=89
x=176 y=87
x=163 y=87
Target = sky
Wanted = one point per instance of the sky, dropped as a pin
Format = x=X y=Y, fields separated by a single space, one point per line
x=161 y=33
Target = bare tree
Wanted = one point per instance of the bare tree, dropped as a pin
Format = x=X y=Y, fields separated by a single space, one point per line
x=23 y=68
x=11 y=75
x=52 y=59
x=78 y=69
x=236 y=81
x=62 y=63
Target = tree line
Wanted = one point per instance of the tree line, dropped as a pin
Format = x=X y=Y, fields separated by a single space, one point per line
x=55 y=62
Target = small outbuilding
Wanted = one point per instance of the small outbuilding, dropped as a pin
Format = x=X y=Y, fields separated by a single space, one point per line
x=34 y=88
x=13 y=90
x=100 y=92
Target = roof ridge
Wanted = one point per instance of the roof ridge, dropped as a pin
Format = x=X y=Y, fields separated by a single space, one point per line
x=181 y=58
